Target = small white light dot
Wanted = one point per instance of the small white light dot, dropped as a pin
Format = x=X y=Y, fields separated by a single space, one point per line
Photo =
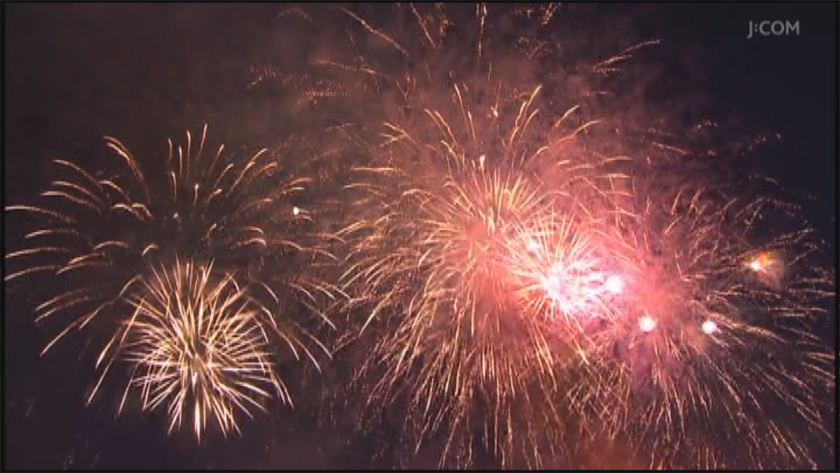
x=755 y=265
x=532 y=245
x=709 y=327
x=647 y=323
x=295 y=210
x=614 y=284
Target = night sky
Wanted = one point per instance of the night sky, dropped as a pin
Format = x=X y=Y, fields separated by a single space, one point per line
x=144 y=73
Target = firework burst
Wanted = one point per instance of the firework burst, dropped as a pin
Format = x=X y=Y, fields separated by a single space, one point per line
x=502 y=244
x=710 y=356
x=431 y=270
x=199 y=346
x=566 y=276
x=97 y=234
x=463 y=164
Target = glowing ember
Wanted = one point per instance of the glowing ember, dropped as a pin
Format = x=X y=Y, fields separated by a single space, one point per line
x=614 y=284
x=647 y=324
x=762 y=262
x=709 y=327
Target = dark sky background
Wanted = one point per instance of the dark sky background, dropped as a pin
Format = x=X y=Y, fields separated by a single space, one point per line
x=144 y=73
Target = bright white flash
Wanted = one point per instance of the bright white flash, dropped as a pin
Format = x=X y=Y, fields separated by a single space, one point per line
x=709 y=327
x=647 y=324
x=614 y=284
